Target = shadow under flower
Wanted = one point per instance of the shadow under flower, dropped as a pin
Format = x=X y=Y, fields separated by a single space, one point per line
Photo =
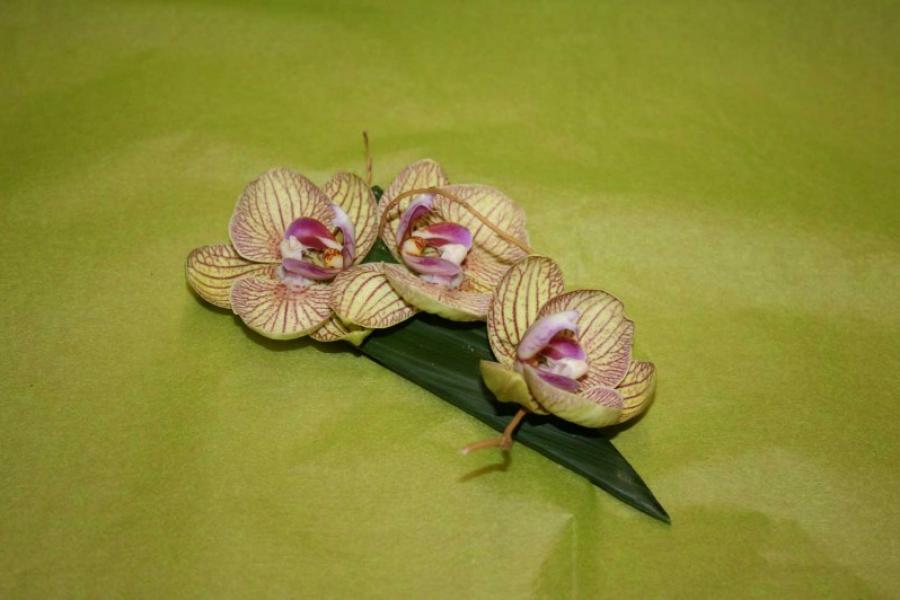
x=501 y=467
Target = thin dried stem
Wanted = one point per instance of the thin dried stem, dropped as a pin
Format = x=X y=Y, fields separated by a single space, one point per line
x=504 y=442
x=457 y=200
x=368 y=159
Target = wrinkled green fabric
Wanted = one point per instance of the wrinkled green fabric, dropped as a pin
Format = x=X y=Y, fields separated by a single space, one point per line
x=728 y=169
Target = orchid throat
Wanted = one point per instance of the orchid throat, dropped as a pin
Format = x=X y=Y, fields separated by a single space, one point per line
x=434 y=251
x=311 y=252
x=550 y=347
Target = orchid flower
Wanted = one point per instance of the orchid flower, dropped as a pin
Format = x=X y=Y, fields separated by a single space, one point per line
x=453 y=243
x=566 y=354
x=289 y=241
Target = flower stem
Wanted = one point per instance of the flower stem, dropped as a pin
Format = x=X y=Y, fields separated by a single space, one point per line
x=368 y=159
x=504 y=442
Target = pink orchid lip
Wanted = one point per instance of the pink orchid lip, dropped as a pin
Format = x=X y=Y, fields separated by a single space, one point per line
x=560 y=381
x=561 y=347
x=312 y=234
x=343 y=223
x=417 y=209
x=542 y=331
x=444 y=233
x=431 y=265
x=308 y=270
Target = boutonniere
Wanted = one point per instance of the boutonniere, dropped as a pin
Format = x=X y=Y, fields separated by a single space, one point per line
x=336 y=264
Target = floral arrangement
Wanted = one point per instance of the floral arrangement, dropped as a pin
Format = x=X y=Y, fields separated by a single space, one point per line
x=445 y=275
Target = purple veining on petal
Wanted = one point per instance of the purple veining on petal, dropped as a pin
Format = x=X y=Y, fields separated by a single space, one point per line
x=308 y=270
x=312 y=234
x=561 y=347
x=417 y=209
x=431 y=265
x=445 y=233
x=543 y=330
x=342 y=221
x=560 y=381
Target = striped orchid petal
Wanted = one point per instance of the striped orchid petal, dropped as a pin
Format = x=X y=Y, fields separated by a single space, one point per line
x=266 y=209
x=308 y=270
x=277 y=310
x=603 y=331
x=521 y=292
x=593 y=407
x=441 y=234
x=421 y=174
x=355 y=198
x=452 y=304
x=637 y=389
x=212 y=270
x=312 y=233
x=430 y=265
x=362 y=296
x=545 y=329
x=420 y=206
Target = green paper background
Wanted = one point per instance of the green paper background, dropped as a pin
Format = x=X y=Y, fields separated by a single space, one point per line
x=729 y=169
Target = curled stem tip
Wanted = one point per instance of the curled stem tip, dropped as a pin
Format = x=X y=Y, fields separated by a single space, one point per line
x=504 y=441
x=368 y=158
x=457 y=200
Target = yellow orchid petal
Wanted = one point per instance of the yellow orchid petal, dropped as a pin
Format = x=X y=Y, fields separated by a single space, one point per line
x=335 y=331
x=266 y=208
x=594 y=407
x=604 y=332
x=351 y=193
x=421 y=174
x=493 y=205
x=277 y=310
x=452 y=304
x=637 y=389
x=212 y=270
x=362 y=296
x=508 y=385
x=519 y=296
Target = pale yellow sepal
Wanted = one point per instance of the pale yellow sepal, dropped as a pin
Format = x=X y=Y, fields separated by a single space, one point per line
x=637 y=389
x=362 y=296
x=212 y=270
x=508 y=385
x=278 y=311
